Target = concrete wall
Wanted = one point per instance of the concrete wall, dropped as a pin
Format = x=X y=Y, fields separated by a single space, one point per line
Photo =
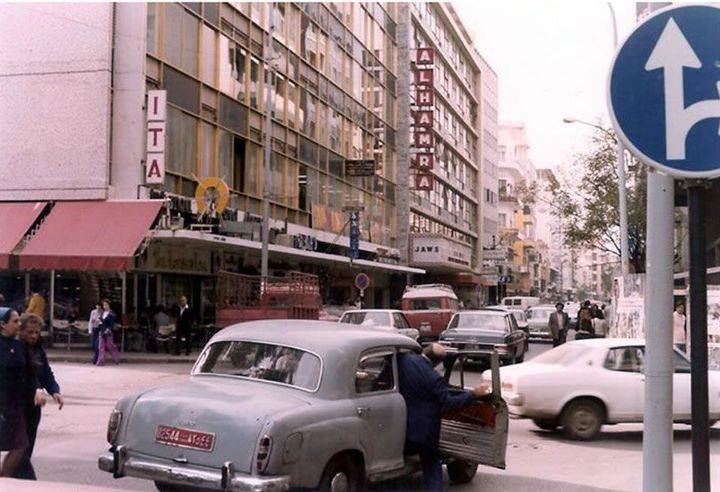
x=55 y=79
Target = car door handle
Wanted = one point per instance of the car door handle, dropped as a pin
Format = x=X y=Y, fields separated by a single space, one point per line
x=362 y=410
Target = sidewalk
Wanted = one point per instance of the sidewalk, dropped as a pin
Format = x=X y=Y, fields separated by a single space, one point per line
x=80 y=356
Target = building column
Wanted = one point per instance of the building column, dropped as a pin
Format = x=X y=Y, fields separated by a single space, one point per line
x=404 y=33
x=128 y=100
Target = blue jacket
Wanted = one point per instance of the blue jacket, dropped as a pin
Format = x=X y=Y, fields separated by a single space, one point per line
x=16 y=375
x=107 y=323
x=426 y=396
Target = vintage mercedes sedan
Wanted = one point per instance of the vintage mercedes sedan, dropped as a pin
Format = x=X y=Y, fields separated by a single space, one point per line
x=280 y=404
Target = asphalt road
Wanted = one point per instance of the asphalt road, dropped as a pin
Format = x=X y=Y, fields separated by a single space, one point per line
x=70 y=440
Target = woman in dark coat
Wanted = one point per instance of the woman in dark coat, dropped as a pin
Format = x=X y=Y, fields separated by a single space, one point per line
x=16 y=382
x=30 y=326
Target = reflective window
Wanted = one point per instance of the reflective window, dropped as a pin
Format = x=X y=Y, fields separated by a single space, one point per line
x=209 y=55
x=254 y=82
x=181 y=141
x=207 y=150
x=375 y=373
x=261 y=361
x=233 y=71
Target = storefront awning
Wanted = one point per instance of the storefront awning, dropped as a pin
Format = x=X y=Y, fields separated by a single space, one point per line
x=98 y=236
x=16 y=218
x=279 y=250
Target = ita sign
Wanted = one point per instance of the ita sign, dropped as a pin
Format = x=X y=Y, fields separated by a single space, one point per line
x=664 y=91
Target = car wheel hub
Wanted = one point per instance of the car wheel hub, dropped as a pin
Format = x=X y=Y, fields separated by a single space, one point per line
x=584 y=421
x=340 y=483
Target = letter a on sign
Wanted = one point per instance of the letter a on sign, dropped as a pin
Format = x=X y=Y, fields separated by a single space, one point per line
x=155 y=169
x=424 y=118
x=423 y=182
x=425 y=56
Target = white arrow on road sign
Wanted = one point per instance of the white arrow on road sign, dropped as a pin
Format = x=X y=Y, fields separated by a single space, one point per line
x=672 y=53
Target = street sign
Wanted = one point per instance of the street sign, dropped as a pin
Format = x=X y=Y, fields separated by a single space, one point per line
x=362 y=281
x=664 y=91
x=354 y=235
x=360 y=167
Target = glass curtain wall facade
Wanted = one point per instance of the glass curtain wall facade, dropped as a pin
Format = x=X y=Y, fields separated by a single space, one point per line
x=451 y=208
x=333 y=98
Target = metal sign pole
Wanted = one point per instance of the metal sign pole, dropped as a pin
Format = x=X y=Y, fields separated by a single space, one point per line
x=658 y=428
x=698 y=340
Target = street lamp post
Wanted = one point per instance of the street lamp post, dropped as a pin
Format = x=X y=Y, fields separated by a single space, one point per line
x=622 y=191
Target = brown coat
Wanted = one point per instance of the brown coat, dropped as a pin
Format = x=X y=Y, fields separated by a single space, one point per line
x=555 y=326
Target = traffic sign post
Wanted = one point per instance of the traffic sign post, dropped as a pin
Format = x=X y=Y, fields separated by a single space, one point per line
x=664 y=101
x=362 y=282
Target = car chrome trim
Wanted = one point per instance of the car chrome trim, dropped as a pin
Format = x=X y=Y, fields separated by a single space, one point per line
x=187 y=475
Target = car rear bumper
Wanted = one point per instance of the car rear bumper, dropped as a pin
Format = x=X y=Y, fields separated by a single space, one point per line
x=121 y=465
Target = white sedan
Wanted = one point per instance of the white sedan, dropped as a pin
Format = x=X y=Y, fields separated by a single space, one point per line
x=384 y=319
x=584 y=384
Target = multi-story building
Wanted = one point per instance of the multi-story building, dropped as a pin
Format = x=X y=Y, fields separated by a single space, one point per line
x=446 y=200
x=75 y=107
x=549 y=228
x=517 y=221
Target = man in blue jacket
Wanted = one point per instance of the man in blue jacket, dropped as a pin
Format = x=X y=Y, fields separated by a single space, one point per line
x=426 y=397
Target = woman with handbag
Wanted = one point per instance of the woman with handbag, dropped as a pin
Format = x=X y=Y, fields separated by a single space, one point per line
x=106 y=342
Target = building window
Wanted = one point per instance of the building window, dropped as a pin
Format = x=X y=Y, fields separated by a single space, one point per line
x=254 y=82
x=209 y=56
x=233 y=70
x=180 y=38
x=181 y=142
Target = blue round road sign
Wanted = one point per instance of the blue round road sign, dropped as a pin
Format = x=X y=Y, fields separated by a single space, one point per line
x=664 y=91
x=362 y=281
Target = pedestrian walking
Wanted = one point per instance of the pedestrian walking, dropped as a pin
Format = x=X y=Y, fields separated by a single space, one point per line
x=30 y=327
x=106 y=342
x=36 y=305
x=679 y=333
x=183 y=324
x=426 y=396
x=94 y=328
x=16 y=382
x=558 y=324
x=584 y=322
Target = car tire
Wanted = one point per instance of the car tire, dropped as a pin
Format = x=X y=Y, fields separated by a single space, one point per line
x=342 y=474
x=461 y=472
x=546 y=424
x=582 y=419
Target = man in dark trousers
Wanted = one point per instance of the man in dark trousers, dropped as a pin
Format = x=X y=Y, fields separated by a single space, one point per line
x=558 y=323
x=426 y=396
x=183 y=326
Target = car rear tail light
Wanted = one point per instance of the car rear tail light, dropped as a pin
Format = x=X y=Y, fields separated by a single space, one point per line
x=263 y=453
x=501 y=348
x=113 y=426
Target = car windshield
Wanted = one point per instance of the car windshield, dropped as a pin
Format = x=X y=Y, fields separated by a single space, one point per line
x=540 y=313
x=563 y=355
x=366 y=318
x=261 y=361
x=480 y=321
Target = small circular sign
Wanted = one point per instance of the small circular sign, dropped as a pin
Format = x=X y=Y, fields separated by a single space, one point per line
x=362 y=281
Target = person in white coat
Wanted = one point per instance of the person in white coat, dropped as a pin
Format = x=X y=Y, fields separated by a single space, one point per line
x=94 y=328
x=679 y=333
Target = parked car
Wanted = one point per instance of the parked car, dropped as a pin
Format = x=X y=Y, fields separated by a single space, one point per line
x=537 y=318
x=522 y=322
x=428 y=308
x=280 y=404
x=583 y=385
x=385 y=319
x=487 y=329
x=520 y=302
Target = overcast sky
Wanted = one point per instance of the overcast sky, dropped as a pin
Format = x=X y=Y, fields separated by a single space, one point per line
x=552 y=58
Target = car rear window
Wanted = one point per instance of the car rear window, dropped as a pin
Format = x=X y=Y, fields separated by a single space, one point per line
x=261 y=361
x=366 y=318
x=563 y=355
x=425 y=304
x=480 y=321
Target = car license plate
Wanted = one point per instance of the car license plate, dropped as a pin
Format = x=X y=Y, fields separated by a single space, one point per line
x=185 y=438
